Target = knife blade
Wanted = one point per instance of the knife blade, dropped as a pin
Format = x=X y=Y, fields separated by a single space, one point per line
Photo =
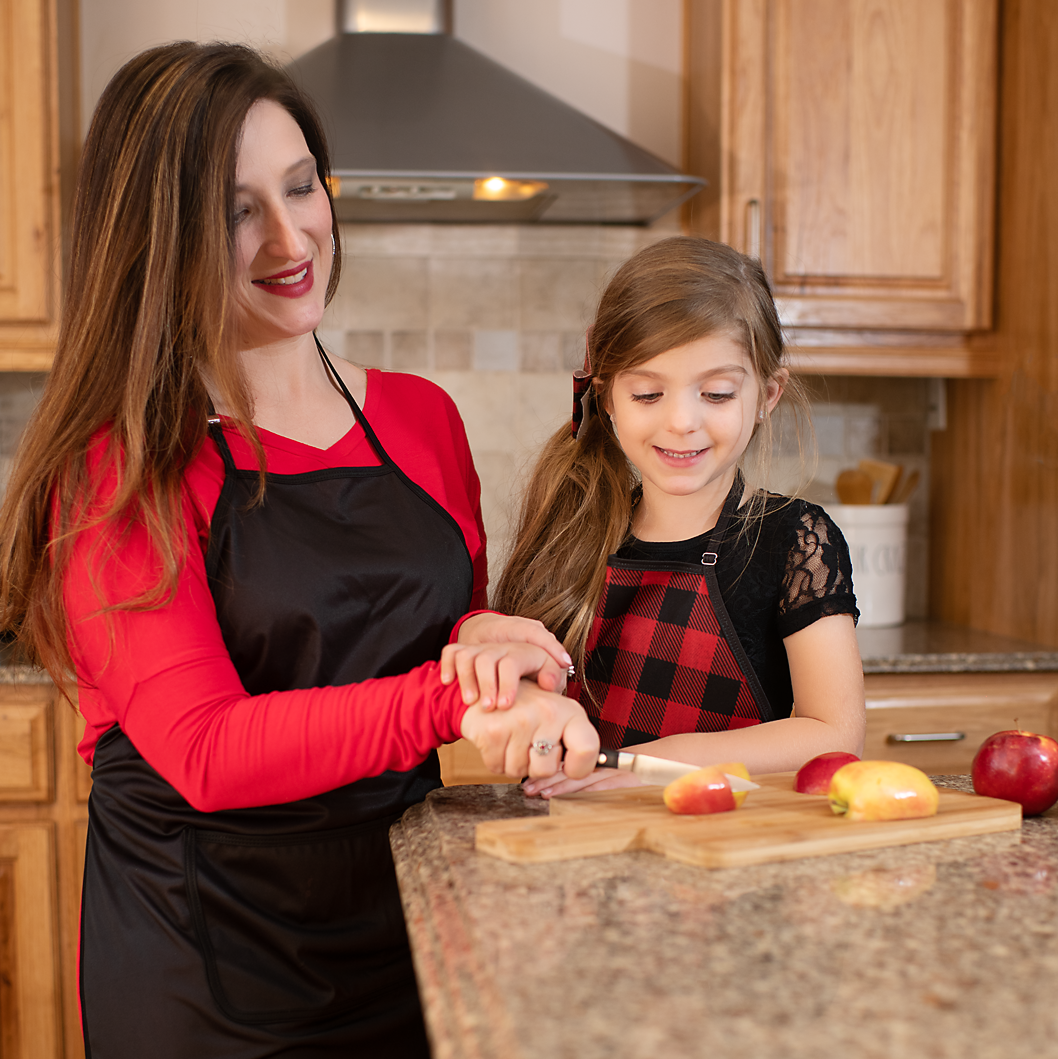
x=660 y=770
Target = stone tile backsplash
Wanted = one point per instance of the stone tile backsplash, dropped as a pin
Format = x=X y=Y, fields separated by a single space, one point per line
x=496 y=316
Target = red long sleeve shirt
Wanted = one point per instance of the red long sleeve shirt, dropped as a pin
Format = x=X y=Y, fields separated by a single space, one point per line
x=165 y=676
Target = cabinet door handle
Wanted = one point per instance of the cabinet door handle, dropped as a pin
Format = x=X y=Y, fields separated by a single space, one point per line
x=753 y=228
x=926 y=737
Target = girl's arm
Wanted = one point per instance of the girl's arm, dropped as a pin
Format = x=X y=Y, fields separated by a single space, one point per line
x=829 y=710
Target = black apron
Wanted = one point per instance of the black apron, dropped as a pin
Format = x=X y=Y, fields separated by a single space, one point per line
x=662 y=656
x=276 y=931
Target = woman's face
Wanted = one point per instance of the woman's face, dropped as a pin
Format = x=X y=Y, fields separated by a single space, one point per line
x=282 y=230
x=684 y=417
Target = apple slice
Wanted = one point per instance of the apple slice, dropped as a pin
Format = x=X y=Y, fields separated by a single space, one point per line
x=736 y=768
x=699 y=792
x=882 y=790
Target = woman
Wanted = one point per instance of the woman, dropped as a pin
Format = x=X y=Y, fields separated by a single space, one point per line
x=250 y=577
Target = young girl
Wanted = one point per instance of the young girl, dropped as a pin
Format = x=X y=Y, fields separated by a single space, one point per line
x=709 y=620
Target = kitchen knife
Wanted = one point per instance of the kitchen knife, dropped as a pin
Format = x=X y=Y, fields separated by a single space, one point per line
x=660 y=770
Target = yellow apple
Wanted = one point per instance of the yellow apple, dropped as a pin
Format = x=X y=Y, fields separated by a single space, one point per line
x=702 y=791
x=882 y=790
x=736 y=768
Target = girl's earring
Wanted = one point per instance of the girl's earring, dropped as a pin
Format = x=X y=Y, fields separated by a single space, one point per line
x=760 y=415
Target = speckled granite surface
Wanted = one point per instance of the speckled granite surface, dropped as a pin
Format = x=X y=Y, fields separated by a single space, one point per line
x=23 y=675
x=935 y=647
x=933 y=950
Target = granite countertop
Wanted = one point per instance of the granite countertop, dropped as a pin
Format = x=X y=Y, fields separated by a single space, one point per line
x=16 y=674
x=937 y=647
x=942 y=949
x=914 y=647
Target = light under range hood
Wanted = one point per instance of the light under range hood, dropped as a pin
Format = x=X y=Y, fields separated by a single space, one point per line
x=425 y=128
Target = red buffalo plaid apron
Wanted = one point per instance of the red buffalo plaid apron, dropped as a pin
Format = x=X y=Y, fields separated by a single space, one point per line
x=662 y=657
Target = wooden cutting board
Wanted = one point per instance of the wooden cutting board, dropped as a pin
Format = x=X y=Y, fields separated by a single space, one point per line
x=774 y=823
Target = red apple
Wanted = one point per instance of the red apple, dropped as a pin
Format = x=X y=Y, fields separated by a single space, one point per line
x=703 y=791
x=1020 y=767
x=813 y=777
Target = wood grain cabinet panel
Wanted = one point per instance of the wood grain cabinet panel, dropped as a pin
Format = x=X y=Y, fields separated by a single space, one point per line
x=29 y=988
x=857 y=144
x=25 y=738
x=917 y=718
x=870 y=126
x=43 y=825
x=29 y=184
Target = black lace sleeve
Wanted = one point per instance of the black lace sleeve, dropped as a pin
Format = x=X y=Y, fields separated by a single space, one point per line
x=817 y=581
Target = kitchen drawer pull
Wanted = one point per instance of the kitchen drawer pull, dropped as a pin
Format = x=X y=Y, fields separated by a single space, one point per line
x=927 y=737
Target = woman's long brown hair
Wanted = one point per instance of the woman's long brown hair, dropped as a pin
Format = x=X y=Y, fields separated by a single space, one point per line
x=145 y=324
x=578 y=504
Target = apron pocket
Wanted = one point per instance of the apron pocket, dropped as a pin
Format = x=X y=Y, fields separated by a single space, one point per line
x=297 y=927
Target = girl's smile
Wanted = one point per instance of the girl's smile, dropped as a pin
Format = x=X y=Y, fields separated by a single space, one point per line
x=684 y=418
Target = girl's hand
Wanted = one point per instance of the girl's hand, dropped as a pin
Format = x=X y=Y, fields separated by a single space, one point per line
x=491 y=656
x=599 y=780
x=489 y=674
x=565 y=739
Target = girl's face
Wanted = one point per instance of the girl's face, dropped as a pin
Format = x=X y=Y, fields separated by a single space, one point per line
x=685 y=417
x=282 y=230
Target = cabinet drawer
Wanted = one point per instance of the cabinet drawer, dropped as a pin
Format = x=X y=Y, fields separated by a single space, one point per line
x=25 y=742
x=936 y=722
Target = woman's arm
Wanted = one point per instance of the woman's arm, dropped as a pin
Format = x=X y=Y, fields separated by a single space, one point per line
x=829 y=714
x=165 y=676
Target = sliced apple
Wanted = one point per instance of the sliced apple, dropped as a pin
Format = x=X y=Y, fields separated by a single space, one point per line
x=736 y=768
x=882 y=790
x=700 y=792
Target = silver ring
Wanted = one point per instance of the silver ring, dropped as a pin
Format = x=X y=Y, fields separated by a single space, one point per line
x=571 y=672
x=543 y=746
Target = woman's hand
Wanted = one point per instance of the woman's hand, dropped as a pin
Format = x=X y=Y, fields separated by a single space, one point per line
x=599 y=780
x=495 y=651
x=540 y=734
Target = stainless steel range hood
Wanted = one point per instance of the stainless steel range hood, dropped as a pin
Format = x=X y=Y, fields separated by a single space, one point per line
x=425 y=128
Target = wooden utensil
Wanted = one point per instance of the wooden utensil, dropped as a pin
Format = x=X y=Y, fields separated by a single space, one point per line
x=884 y=475
x=774 y=824
x=902 y=493
x=854 y=487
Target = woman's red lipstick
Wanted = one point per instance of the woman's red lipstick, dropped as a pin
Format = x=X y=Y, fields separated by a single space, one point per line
x=290 y=283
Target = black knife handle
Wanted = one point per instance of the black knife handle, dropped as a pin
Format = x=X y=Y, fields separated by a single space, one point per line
x=608 y=759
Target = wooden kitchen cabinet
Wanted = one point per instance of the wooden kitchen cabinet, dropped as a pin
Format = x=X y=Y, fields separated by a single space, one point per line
x=29 y=184
x=856 y=146
x=43 y=823
x=945 y=706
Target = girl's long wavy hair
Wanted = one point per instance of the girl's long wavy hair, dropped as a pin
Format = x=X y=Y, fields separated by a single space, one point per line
x=146 y=322
x=577 y=507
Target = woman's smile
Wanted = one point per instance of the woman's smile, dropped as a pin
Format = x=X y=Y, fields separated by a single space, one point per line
x=290 y=283
x=282 y=230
